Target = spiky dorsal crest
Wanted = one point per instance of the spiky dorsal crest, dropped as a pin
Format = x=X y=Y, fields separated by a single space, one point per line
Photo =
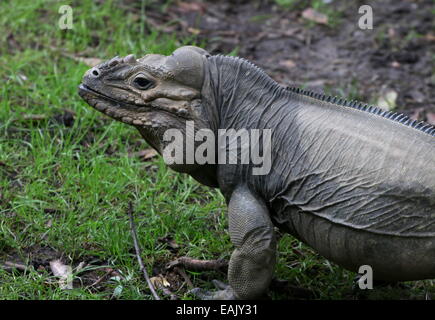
x=394 y=116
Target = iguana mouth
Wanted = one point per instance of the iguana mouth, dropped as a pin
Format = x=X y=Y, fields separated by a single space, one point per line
x=120 y=110
x=105 y=103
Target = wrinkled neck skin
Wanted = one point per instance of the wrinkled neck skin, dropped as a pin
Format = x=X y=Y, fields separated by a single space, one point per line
x=238 y=95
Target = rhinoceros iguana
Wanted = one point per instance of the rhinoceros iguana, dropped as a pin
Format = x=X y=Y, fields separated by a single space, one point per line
x=352 y=181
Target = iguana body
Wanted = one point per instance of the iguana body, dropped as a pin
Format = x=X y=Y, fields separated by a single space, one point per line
x=354 y=182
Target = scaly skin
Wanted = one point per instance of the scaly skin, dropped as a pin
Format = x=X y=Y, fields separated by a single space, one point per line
x=355 y=183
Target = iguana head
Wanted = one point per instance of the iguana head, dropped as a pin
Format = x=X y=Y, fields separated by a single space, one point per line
x=153 y=93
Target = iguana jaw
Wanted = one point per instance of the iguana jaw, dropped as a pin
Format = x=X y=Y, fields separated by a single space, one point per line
x=138 y=115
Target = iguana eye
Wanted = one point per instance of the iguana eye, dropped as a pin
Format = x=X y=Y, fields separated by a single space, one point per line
x=143 y=83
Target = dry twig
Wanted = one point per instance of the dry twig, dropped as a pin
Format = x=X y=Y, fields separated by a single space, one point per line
x=138 y=251
x=183 y=273
x=109 y=271
x=11 y=266
x=198 y=265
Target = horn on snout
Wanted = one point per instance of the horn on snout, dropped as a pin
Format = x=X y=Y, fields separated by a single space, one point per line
x=130 y=58
x=113 y=62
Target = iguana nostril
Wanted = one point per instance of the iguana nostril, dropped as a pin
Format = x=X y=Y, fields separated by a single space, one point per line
x=95 y=72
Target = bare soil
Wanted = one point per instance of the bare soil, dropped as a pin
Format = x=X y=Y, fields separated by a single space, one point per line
x=338 y=58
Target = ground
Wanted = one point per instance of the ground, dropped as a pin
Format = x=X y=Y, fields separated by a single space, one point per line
x=67 y=172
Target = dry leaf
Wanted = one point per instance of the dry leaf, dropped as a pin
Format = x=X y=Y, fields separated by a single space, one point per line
x=430 y=118
x=22 y=77
x=160 y=281
x=14 y=265
x=387 y=100
x=416 y=114
x=430 y=37
x=170 y=242
x=313 y=15
x=288 y=63
x=395 y=64
x=91 y=62
x=191 y=6
x=194 y=31
x=64 y=272
x=147 y=154
x=31 y=117
x=134 y=17
x=80 y=266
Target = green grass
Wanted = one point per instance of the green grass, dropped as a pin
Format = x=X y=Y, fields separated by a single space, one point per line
x=64 y=190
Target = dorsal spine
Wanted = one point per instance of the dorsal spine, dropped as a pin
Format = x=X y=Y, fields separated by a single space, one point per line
x=394 y=116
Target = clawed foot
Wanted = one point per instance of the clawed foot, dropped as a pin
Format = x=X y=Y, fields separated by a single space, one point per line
x=224 y=292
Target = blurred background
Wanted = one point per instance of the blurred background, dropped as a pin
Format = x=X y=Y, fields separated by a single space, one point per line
x=67 y=172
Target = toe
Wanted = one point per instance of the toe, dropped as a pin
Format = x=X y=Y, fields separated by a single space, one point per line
x=227 y=294
x=219 y=284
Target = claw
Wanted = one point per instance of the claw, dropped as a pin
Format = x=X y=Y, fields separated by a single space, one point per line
x=219 y=284
x=201 y=294
x=227 y=293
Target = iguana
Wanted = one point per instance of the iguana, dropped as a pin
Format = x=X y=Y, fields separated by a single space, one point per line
x=354 y=182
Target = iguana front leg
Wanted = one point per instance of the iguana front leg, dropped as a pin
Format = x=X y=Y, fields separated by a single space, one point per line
x=252 y=262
